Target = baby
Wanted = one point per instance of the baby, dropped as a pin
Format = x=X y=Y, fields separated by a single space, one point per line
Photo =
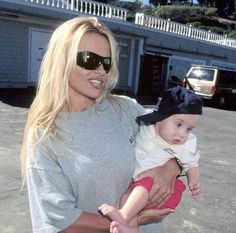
x=164 y=134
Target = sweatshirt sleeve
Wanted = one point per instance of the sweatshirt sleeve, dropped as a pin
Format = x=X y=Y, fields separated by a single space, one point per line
x=53 y=206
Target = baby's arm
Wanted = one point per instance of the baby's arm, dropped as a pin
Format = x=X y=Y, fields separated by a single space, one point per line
x=193 y=181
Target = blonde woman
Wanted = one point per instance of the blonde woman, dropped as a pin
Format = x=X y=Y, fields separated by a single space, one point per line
x=78 y=145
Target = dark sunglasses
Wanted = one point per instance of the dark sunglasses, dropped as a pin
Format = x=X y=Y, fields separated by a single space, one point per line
x=91 y=61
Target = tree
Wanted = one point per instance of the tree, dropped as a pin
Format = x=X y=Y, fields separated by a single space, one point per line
x=207 y=3
x=158 y=2
x=132 y=7
x=103 y=1
x=225 y=8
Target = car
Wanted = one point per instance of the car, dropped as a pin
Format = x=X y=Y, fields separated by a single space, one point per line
x=215 y=84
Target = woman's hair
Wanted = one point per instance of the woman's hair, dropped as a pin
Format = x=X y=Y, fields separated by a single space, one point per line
x=57 y=67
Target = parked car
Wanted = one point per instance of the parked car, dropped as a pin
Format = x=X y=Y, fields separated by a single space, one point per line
x=213 y=83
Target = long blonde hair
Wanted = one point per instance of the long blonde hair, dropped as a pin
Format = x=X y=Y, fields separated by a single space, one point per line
x=57 y=66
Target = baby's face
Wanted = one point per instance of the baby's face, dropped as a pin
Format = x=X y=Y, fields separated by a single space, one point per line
x=176 y=128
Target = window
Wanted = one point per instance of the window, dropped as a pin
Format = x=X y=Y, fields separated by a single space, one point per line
x=202 y=74
x=227 y=77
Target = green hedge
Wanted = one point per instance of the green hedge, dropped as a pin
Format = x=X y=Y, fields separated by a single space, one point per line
x=199 y=17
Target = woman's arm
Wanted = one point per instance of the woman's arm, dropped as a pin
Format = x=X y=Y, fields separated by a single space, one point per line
x=164 y=179
x=147 y=216
x=89 y=223
x=56 y=208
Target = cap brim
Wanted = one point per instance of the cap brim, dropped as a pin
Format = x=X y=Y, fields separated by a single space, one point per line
x=152 y=118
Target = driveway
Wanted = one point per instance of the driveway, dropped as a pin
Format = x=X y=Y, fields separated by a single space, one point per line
x=213 y=212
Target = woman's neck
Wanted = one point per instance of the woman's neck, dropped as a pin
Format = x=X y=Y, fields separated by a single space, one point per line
x=78 y=107
x=78 y=103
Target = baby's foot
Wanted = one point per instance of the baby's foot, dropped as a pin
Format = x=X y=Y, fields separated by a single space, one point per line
x=112 y=213
x=116 y=227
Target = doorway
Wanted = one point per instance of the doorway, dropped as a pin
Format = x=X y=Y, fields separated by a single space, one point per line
x=153 y=76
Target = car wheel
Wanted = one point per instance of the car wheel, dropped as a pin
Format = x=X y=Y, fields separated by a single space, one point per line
x=221 y=101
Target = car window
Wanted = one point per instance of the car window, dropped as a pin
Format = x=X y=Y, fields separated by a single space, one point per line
x=202 y=74
x=227 y=77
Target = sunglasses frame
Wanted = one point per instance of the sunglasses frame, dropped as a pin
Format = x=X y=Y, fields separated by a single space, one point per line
x=93 y=61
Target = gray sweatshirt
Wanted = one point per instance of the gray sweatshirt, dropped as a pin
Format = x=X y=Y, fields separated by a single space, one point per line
x=92 y=165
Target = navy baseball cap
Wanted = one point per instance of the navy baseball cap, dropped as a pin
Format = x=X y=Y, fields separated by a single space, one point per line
x=176 y=100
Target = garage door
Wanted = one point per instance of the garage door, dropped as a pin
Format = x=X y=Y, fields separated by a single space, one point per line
x=38 y=43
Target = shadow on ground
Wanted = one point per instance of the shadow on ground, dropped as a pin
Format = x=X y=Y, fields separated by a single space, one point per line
x=23 y=97
x=230 y=107
x=17 y=97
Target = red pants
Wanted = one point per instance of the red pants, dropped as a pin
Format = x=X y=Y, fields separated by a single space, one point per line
x=172 y=201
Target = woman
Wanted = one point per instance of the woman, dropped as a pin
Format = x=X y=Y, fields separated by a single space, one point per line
x=78 y=146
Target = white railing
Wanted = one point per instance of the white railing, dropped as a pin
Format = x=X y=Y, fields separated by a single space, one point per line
x=85 y=7
x=183 y=30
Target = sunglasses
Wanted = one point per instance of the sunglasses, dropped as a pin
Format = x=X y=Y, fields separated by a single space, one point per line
x=91 y=61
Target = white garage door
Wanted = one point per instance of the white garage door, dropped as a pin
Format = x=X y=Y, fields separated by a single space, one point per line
x=38 y=43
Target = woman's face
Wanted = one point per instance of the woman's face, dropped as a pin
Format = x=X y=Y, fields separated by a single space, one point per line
x=85 y=86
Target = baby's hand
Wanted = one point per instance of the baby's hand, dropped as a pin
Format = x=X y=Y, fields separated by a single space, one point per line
x=195 y=188
x=193 y=182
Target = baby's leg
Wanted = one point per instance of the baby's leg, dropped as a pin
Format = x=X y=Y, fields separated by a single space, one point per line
x=132 y=202
x=112 y=213
x=134 y=222
x=115 y=214
x=116 y=227
x=135 y=202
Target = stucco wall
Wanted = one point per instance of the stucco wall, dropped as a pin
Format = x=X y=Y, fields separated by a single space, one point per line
x=14 y=52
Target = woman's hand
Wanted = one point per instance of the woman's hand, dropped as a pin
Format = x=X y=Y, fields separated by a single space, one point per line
x=164 y=179
x=152 y=215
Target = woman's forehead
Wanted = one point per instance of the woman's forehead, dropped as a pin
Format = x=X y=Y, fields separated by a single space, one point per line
x=95 y=42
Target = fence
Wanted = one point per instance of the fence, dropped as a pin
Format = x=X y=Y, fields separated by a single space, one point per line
x=82 y=6
x=182 y=29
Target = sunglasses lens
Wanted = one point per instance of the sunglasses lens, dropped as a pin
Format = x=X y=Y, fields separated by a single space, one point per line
x=106 y=62
x=91 y=61
x=87 y=60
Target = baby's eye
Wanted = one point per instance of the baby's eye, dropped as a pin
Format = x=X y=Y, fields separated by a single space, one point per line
x=179 y=124
x=189 y=129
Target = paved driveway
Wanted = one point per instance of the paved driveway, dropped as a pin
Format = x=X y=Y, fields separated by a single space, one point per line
x=213 y=212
